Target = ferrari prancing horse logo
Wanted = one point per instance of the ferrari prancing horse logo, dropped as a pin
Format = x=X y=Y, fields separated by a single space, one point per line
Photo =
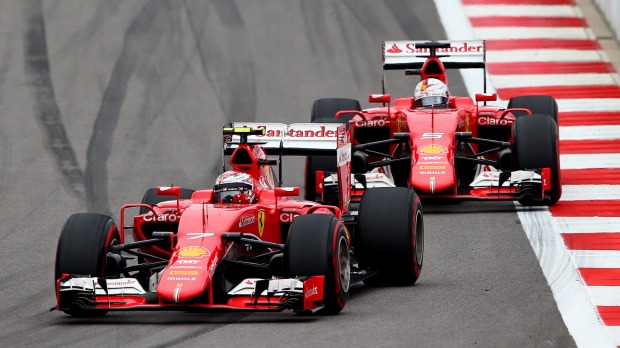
x=261 y=222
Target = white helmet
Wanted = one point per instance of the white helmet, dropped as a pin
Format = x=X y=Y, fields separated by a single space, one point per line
x=234 y=187
x=431 y=92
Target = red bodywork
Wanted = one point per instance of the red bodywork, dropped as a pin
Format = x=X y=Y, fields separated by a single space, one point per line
x=433 y=133
x=199 y=230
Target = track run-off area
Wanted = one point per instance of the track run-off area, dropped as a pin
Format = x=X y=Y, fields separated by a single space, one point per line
x=547 y=47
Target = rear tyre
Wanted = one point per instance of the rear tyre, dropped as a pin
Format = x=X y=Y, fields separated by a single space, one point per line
x=537 y=104
x=391 y=236
x=324 y=111
x=536 y=145
x=318 y=244
x=151 y=198
x=82 y=249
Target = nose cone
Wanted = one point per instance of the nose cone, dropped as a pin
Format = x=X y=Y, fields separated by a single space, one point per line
x=188 y=275
x=430 y=176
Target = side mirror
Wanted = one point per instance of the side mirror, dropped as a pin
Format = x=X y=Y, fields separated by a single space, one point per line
x=379 y=98
x=485 y=97
x=286 y=191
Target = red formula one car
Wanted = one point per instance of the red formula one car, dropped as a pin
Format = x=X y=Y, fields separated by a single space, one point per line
x=445 y=146
x=244 y=245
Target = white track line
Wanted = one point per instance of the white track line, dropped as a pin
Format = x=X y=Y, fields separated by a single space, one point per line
x=596 y=258
x=487 y=33
x=523 y=11
x=614 y=333
x=605 y=295
x=574 y=303
x=590 y=161
x=590 y=192
x=541 y=55
x=589 y=104
x=588 y=224
x=546 y=80
x=590 y=132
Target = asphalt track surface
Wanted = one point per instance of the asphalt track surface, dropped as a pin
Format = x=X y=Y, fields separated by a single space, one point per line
x=100 y=100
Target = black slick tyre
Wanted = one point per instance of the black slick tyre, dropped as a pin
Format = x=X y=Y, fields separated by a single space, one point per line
x=391 y=236
x=82 y=249
x=537 y=104
x=536 y=145
x=318 y=244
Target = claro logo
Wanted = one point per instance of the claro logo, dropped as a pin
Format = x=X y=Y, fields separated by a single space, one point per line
x=490 y=121
x=162 y=218
x=372 y=123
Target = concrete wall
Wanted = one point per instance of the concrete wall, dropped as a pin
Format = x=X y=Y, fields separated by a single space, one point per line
x=611 y=10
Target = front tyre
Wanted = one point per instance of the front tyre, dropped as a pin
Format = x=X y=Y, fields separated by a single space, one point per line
x=391 y=236
x=318 y=244
x=536 y=145
x=82 y=250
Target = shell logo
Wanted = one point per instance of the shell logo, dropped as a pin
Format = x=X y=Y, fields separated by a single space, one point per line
x=432 y=149
x=192 y=252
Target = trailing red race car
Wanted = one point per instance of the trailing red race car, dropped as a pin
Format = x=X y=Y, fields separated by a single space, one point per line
x=445 y=146
x=244 y=245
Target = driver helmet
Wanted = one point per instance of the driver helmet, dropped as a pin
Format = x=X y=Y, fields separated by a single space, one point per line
x=234 y=187
x=431 y=92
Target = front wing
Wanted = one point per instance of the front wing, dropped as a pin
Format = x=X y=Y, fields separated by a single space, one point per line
x=266 y=295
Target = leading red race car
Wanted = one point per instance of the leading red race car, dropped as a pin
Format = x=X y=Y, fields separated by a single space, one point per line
x=445 y=146
x=244 y=245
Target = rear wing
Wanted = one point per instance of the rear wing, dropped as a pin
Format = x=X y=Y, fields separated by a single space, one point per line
x=402 y=55
x=412 y=56
x=301 y=139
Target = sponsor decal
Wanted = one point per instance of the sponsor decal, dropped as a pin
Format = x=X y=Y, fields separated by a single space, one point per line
x=287 y=218
x=464 y=48
x=491 y=121
x=433 y=172
x=376 y=176
x=119 y=282
x=431 y=158
x=186 y=273
x=162 y=218
x=187 y=262
x=467 y=121
x=311 y=292
x=394 y=49
x=213 y=266
x=372 y=123
x=432 y=149
x=432 y=167
x=185 y=267
x=181 y=279
x=431 y=135
x=247 y=220
x=432 y=162
x=261 y=222
x=193 y=251
x=322 y=132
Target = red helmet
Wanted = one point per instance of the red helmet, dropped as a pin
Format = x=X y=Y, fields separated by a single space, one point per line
x=234 y=187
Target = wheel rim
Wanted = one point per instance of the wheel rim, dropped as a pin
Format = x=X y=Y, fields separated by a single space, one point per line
x=419 y=238
x=344 y=264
